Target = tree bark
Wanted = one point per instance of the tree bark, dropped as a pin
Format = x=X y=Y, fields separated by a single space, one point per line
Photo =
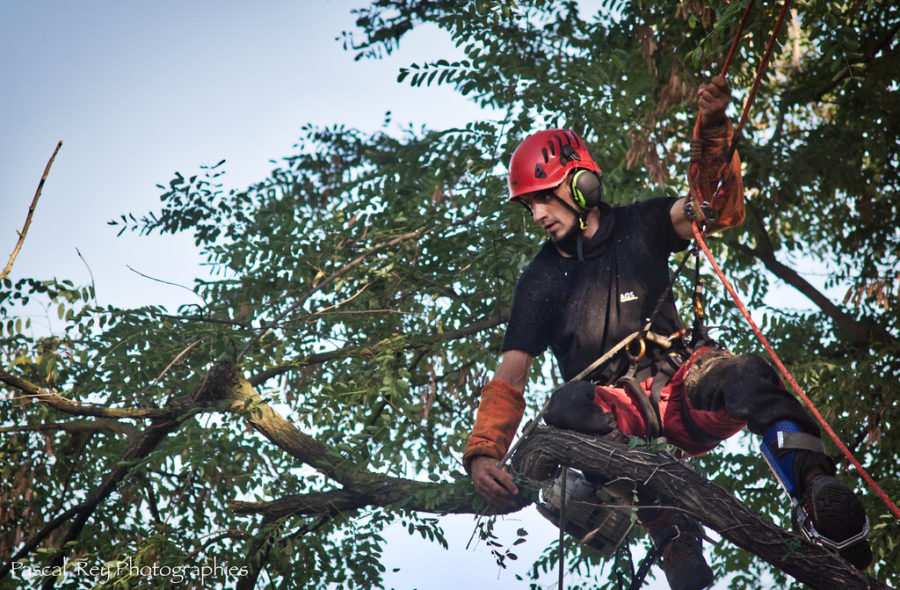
x=677 y=485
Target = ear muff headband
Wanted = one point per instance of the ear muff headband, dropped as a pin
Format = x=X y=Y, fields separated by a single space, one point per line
x=587 y=190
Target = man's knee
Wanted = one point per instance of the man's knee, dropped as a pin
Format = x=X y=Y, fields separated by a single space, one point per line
x=572 y=407
x=751 y=364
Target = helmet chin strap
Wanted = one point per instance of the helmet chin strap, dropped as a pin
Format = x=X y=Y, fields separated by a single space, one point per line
x=582 y=225
x=580 y=215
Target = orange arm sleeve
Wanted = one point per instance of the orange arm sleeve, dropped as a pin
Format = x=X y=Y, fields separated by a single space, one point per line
x=709 y=150
x=499 y=414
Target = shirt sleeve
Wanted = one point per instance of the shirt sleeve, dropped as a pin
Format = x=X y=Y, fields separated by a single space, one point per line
x=660 y=230
x=530 y=318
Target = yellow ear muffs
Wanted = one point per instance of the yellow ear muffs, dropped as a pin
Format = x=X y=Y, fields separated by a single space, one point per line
x=587 y=190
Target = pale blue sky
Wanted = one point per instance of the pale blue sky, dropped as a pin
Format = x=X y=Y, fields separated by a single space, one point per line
x=138 y=90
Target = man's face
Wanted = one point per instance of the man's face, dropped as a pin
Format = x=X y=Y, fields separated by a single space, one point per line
x=558 y=221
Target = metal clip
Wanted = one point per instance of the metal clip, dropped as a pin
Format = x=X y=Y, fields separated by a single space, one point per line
x=809 y=531
x=709 y=212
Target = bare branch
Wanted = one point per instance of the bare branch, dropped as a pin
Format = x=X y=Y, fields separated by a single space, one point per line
x=37 y=195
x=146 y=276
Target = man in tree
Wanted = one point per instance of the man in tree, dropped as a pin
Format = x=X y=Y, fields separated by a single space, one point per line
x=601 y=275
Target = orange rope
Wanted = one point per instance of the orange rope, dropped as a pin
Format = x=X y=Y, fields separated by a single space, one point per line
x=698 y=235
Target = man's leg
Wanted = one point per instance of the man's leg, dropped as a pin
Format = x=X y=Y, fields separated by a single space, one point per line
x=749 y=389
x=572 y=407
x=679 y=539
x=678 y=536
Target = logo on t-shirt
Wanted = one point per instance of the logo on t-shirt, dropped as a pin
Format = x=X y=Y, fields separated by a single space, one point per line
x=626 y=297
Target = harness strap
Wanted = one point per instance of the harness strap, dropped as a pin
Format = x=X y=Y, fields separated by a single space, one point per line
x=666 y=369
x=798 y=441
x=649 y=410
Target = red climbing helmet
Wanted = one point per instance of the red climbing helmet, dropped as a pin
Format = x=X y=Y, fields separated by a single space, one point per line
x=544 y=158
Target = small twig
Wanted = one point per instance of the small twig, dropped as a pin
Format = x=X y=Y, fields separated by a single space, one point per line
x=91 y=273
x=170 y=365
x=347 y=300
x=167 y=283
x=37 y=195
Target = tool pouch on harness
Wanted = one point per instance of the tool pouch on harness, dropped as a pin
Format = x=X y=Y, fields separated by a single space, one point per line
x=599 y=517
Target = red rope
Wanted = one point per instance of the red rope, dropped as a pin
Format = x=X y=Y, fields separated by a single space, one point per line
x=698 y=235
x=737 y=38
x=760 y=71
x=790 y=378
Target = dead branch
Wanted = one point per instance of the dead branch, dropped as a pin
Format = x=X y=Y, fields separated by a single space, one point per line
x=37 y=195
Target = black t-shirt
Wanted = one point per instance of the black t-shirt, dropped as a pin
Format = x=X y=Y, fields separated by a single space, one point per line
x=582 y=308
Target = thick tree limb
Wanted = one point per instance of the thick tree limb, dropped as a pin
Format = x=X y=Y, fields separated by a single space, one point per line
x=659 y=474
x=34 y=200
x=679 y=486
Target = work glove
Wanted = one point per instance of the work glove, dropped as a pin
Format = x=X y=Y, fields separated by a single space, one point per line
x=717 y=188
x=499 y=413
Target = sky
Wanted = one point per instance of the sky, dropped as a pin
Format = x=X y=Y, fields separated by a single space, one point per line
x=138 y=90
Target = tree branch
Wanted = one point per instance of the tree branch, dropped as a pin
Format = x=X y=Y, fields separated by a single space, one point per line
x=37 y=195
x=90 y=426
x=881 y=44
x=677 y=485
x=75 y=408
x=854 y=332
x=437 y=498
x=260 y=415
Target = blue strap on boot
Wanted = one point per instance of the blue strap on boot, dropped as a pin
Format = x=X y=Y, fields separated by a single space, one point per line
x=781 y=463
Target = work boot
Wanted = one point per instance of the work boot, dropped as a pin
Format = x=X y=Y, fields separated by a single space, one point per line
x=834 y=517
x=826 y=511
x=680 y=539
